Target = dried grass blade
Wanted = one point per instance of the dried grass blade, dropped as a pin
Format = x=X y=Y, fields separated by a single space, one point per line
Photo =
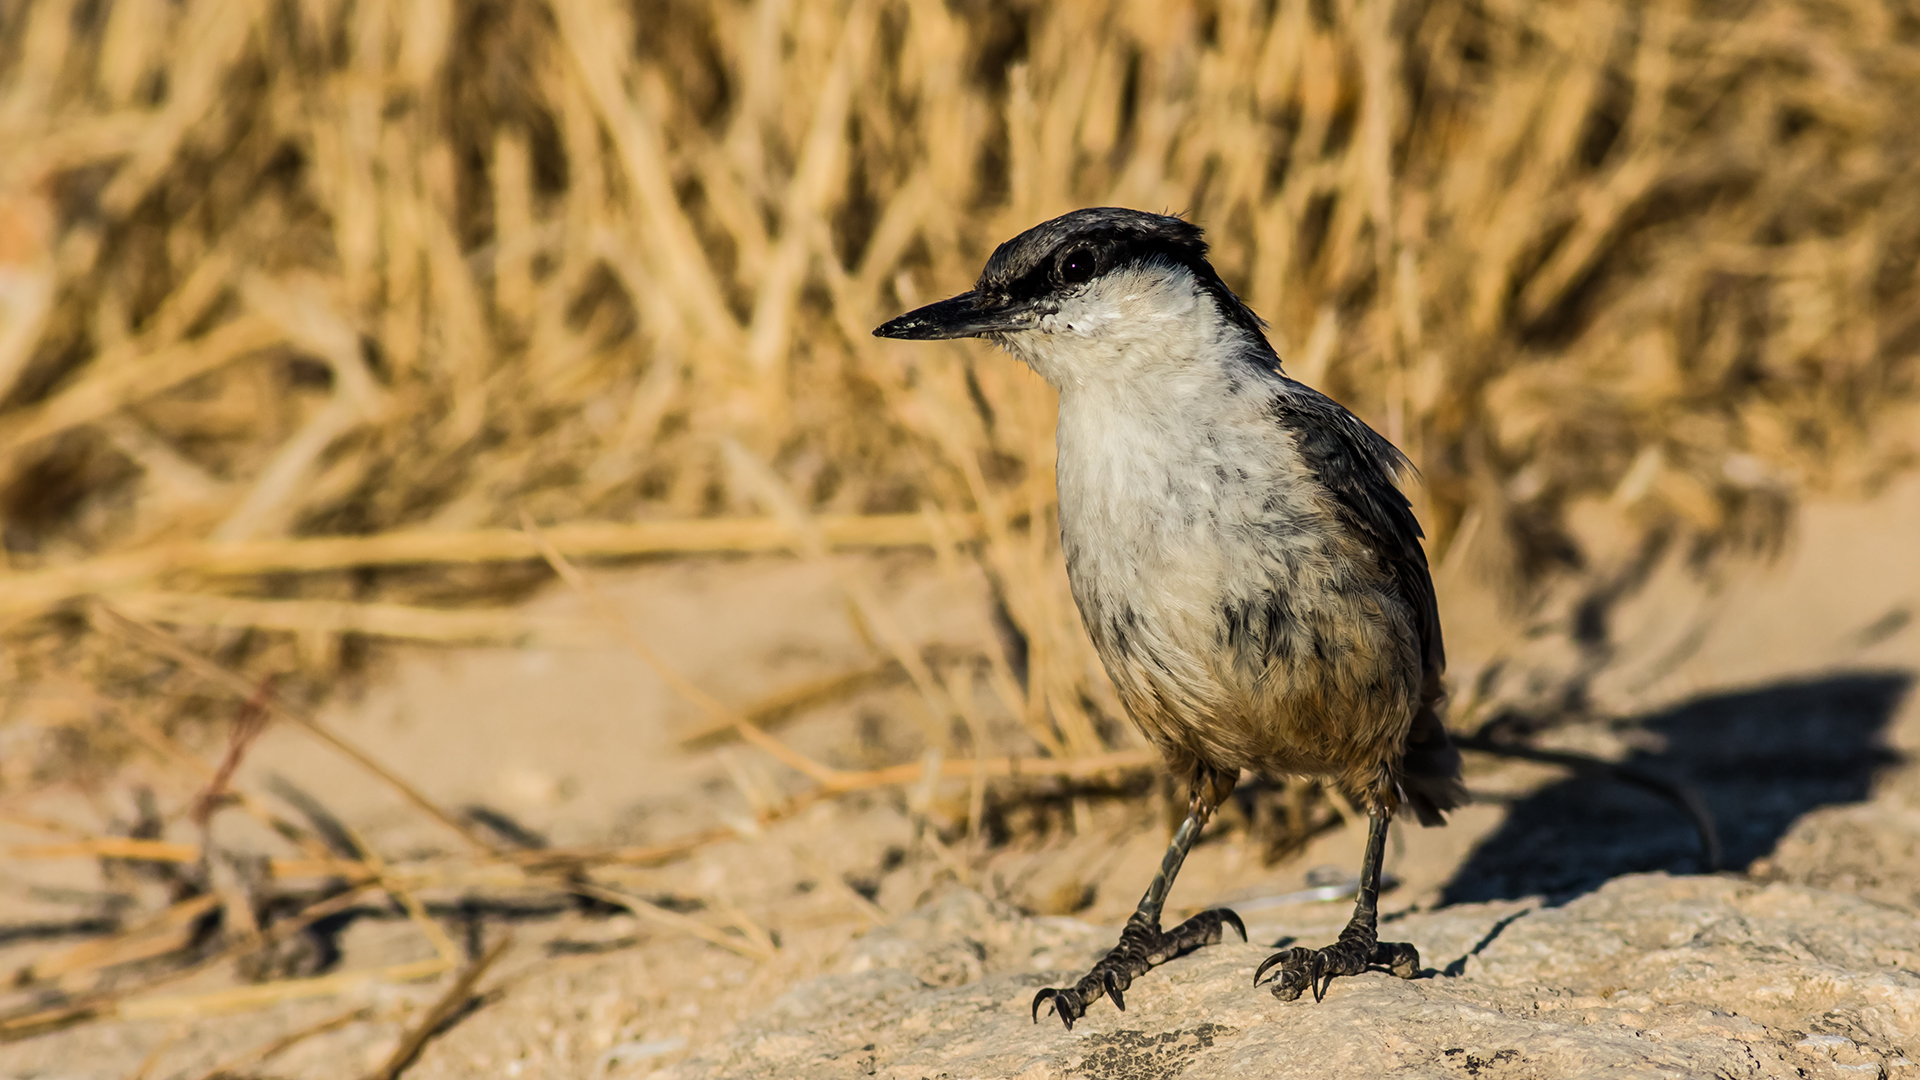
x=584 y=27
x=401 y=621
x=110 y=847
x=772 y=492
x=93 y=398
x=39 y=589
x=717 y=713
x=154 y=937
x=169 y=646
x=260 y=1055
x=435 y=934
x=1078 y=768
x=112 y=1002
x=801 y=696
x=652 y=912
x=415 y=1039
x=254 y=997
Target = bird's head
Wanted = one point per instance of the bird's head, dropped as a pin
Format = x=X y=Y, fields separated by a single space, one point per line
x=1094 y=293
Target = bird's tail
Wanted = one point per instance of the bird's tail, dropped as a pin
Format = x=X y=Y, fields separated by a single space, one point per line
x=1430 y=771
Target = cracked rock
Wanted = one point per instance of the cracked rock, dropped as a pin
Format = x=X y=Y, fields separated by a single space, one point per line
x=1648 y=976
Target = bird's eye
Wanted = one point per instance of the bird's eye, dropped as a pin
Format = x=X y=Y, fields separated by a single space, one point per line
x=1078 y=265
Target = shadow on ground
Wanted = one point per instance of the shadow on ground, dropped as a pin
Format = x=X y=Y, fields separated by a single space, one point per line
x=1761 y=758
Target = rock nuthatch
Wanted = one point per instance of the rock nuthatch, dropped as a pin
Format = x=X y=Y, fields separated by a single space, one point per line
x=1251 y=575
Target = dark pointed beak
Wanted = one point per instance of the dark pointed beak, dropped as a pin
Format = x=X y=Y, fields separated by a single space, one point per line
x=966 y=315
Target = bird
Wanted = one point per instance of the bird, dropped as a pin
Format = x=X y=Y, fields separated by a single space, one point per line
x=1241 y=552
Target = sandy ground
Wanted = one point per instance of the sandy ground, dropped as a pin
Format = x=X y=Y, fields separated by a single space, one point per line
x=1778 y=693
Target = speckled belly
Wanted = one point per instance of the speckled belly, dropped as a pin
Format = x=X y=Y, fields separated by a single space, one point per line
x=1319 y=678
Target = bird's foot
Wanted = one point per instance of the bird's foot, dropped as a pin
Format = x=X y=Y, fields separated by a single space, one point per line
x=1142 y=948
x=1355 y=952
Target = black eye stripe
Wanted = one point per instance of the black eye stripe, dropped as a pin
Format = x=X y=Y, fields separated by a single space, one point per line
x=1095 y=256
x=1109 y=252
x=1027 y=267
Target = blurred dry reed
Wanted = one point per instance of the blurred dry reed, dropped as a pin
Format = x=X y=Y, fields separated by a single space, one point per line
x=304 y=302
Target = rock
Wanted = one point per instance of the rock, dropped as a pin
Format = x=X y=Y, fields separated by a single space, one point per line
x=1867 y=849
x=960 y=936
x=1649 y=976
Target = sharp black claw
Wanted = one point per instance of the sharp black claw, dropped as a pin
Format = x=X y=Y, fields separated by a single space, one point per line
x=1143 y=947
x=1269 y=962
x=1315 y=969
x=1228 y=917
x=1065 y=1004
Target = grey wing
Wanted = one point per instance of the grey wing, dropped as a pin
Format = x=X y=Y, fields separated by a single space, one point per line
x=1358 y=468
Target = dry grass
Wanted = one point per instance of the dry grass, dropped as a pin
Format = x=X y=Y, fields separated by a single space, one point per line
x=215 y=915
x=305 y=303
x=379 y=270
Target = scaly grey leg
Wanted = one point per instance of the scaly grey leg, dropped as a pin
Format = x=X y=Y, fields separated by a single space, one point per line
x=1359 y=947
x=1143 y=946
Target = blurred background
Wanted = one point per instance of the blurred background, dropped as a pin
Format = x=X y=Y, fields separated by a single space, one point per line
x=335 y=333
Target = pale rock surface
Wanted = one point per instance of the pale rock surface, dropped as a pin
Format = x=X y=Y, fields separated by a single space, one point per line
x=1867 y=849
x=1649 y=976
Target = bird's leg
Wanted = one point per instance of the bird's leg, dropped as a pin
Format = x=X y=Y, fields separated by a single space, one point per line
x=1359 y=947
x=1142 y=944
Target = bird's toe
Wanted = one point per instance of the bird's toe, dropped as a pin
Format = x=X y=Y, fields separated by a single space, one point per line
x=1315 y=969
x=1066 y=1003
x=1398 y=957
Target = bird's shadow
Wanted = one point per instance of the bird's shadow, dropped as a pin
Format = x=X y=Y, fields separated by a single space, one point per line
x=1760 y=758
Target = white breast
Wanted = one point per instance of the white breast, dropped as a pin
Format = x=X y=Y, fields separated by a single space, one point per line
x=1180 y=495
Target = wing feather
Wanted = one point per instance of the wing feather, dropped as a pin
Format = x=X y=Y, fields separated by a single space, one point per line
x=1359 y=468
